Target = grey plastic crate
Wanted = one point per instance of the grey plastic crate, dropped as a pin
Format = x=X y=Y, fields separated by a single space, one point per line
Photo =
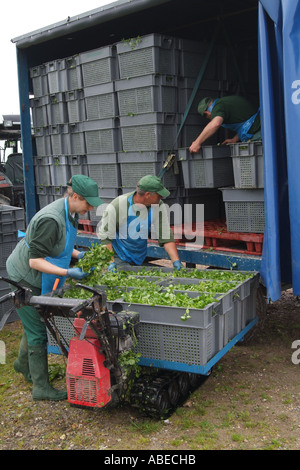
x=78 y=165
x=98 y=66
x=189 y=133
x=6 y=248
x=60 y=170
x=12 y=226
x=56 y=75
x=135 y=165
x=245 y=211
x=153 y=53
x=101 y=101
x=105 y=171
x=207 y=88
x=101 y=106
x=42 y=140
x=67 y=139
x=9 y=213
x=235 y=304
x=102 y=136
x=180 y=344
x=8 y=237
x=192 y=55
x=211 y=168
x=57 y=110
x=170 y=315
x=39 y=79
x=148 y=131
x=248 y=171
x=74 y=74
x=75 y=105
x=60 y=141
x=42 y=170
x=12 y=219
x=48 y=194
x=248 y=306
x=164 y=336
x=146 y=94
x=39 y=111
x=246 y=149
x=77 y=141
x=44 y=194
x=64 y=74
x=248 y=164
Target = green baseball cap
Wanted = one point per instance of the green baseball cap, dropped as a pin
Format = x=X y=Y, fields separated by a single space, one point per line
x=87 y=188
x=203 y=105
x=154 y=185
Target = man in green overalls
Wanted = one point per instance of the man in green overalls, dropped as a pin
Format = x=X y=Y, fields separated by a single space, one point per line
x=231 y=112
x=42 y=256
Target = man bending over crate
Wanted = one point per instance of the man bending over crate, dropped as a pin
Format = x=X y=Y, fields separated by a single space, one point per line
x=231 y=112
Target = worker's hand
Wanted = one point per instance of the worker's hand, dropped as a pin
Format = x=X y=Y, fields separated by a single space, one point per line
x=77 y=273
x=177 y=265
x=112 y=267
x=81 y=254
x=195 y=147
x=234 y=140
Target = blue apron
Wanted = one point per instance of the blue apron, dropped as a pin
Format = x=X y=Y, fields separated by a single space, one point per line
x=240 y=128
x=62 y=260
x=130 y=244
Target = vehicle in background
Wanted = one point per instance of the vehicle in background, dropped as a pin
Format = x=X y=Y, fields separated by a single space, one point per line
x=11 y=165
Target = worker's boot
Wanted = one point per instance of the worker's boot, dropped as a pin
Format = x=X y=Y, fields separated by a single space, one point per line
x=22 y=364
x=38 y=366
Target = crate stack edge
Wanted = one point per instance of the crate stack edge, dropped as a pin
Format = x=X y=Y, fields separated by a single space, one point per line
x=12 y=220
x=244 y=202
x=114 y=113
x=58 y=112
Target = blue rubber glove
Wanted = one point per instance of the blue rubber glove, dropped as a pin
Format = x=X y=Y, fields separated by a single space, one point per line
x=76 y=273
x=112 y=267
x=177 y=265
x=81 y=254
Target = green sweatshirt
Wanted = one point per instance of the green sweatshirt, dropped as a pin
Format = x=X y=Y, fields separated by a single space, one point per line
x=45 y=236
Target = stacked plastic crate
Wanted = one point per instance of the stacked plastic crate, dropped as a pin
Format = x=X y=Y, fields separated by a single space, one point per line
x=147 y=92
x=58 y=113
x=101 y=127
x=114 y=114
x=204 y=172
x=11 y=221
x=244 y=203
x=157 y=77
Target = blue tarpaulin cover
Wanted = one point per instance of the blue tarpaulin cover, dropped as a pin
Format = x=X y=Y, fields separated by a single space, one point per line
x=279 y=66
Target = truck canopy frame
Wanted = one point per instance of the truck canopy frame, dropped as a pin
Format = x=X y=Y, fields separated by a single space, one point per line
x=270 y=26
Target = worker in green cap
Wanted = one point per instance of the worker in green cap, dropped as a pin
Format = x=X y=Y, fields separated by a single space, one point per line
x=127 y=220
x=231 y=112
x=41 y=257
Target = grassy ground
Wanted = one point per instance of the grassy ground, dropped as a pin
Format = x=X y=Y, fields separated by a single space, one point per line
x=250 y=401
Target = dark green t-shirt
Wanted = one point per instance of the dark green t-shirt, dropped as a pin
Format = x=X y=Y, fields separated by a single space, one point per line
x=236 y=109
